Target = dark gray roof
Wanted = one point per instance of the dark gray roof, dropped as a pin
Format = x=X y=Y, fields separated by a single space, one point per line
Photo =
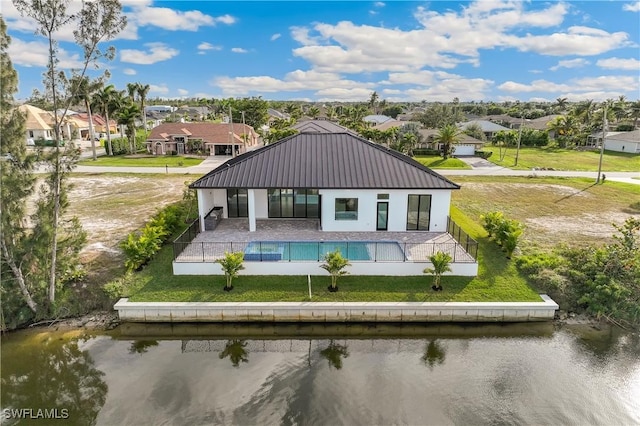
x=324 y=160
x=320 y=126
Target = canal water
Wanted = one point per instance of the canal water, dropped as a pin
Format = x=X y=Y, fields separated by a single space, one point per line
x=537 y=374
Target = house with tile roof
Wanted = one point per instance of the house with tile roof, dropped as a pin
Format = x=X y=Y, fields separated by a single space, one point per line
x=212 y=138
x=377 y=205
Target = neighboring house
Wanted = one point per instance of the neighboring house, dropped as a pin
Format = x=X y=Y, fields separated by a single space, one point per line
x=503 y=120
x=376 y=119
x=595 y=138
x=388 y=207
x=193 y=113
x=623 y=142
x=466 y=146
x=488 y=128
x=321 y=126
x=274 y=114
x=159 y=108
x=80 y=124
x=39 y=123
x=213 y=138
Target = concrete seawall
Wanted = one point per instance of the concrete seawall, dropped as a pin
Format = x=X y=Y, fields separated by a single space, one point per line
x=331 y=312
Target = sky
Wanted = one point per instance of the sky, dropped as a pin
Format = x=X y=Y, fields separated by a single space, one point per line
x=344 y=50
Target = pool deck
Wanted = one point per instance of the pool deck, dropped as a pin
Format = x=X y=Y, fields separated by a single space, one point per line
x=234 y=235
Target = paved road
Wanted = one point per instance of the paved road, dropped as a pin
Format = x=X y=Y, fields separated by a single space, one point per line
x=479 y=166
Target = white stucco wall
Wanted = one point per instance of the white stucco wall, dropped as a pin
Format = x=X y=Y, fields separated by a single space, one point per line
x=616 y=145
x=208 y=199
x=262 y=205
x=368 y=204
x=313 y=268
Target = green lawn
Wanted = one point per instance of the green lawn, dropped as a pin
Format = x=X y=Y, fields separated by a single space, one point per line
x=143 y=161
x=565 y=159
x=437 y=162
x=498 y=280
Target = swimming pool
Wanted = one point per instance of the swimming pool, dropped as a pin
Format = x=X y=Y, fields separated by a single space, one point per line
x=316 y=250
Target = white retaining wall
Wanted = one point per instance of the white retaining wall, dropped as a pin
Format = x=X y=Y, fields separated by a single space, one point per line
x=336 y=311
x=313 y=268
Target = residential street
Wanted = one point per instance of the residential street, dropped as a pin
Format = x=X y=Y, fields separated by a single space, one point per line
x=480 y=167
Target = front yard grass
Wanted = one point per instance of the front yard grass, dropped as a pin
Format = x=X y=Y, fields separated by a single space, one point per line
x=437 y=162
x=143 y=161
x=565 y=159
x=498 y=280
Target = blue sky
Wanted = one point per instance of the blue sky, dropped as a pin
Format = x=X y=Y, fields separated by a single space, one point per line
x=345 y=50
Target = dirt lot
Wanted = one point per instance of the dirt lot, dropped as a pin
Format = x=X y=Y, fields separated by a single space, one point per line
x=111 y=206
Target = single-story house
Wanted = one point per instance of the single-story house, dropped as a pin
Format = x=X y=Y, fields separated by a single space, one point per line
x=623 y=142
x=39 y=123
x=321 y=126
x=467 y=145
x=213 y=138
x=376 y=119
x=391 y=207
x=488 y=128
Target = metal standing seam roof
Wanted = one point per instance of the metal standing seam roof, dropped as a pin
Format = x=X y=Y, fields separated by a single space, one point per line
x=323 y=161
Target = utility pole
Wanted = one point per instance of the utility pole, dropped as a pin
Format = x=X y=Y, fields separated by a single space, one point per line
x=604 y=135
x=244 y=135
x=231 y=136
x=519 y=139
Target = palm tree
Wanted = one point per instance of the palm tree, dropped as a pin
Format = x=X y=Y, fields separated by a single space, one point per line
x=447 y=136
x=127 y=117
x=231 y=265
x=132 y=90
x=335 y=264
x=561 y=104
x=634 y=113
x=84 y=89
x=373 y=101
x=143 y=90
x=313 y=112
x=440 y=261
x=104 y=102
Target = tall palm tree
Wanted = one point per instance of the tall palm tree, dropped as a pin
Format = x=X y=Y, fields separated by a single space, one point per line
x=447 y=136
x=561 y=104
x=83 y=89
x=373 y=101
x=104 y=102
x=313 y=112
x=132 y=90
x=127 y=117
x=143 y=90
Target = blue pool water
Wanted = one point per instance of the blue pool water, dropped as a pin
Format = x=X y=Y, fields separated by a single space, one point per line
x=316 y=250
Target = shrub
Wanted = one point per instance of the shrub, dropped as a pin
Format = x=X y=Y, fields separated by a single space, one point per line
x=490 y=222
x=426 y=151
x=231 y=265
x=483 y=154
x=505 y=232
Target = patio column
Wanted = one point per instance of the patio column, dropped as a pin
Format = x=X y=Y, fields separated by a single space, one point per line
x=201 y=208
x=252 y=210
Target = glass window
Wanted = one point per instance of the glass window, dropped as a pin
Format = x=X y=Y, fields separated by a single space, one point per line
x=237 y=203
x=346 y=209
x=418 y=212
x=383 y=196
x=301 y=203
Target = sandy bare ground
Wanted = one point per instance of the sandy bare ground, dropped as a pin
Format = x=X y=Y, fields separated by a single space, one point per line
x=111 y=206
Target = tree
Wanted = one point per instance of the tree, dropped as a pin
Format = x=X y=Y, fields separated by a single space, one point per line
x=105 y=103
x=83 y=93
x=393 y=111
x=143 y=90
x=255 y=111
x=440 y=261
x=313 y=112
x=373 y=101
x=561 y=104
x=231 y=265
x=447 y=136
x=475 y=131
x=95 y=23
x=17 y=185
x=127 y=117
x=335 y=264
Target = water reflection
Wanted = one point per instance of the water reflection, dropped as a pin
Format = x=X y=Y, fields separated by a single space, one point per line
x=51 y=372
x=433 y=354
x=235 y=351
x=334 y=354
x=141 y=346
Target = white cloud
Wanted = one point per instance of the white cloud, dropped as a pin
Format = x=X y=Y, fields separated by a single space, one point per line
x=204 y=47
x=154 y=88
x=632 y=7
x=129 y=71
x=597 y=96
x=570 y=63
x=343 y=94
x=379 y=4
x=294 y=81
x=275 y=36
x=577 y=40
x=239 y=50
x=157 y=52
x=36 y=54
x=183 y=92
x=175 y=20
x=614 y=85
x=630 y=64
x=534 y=86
